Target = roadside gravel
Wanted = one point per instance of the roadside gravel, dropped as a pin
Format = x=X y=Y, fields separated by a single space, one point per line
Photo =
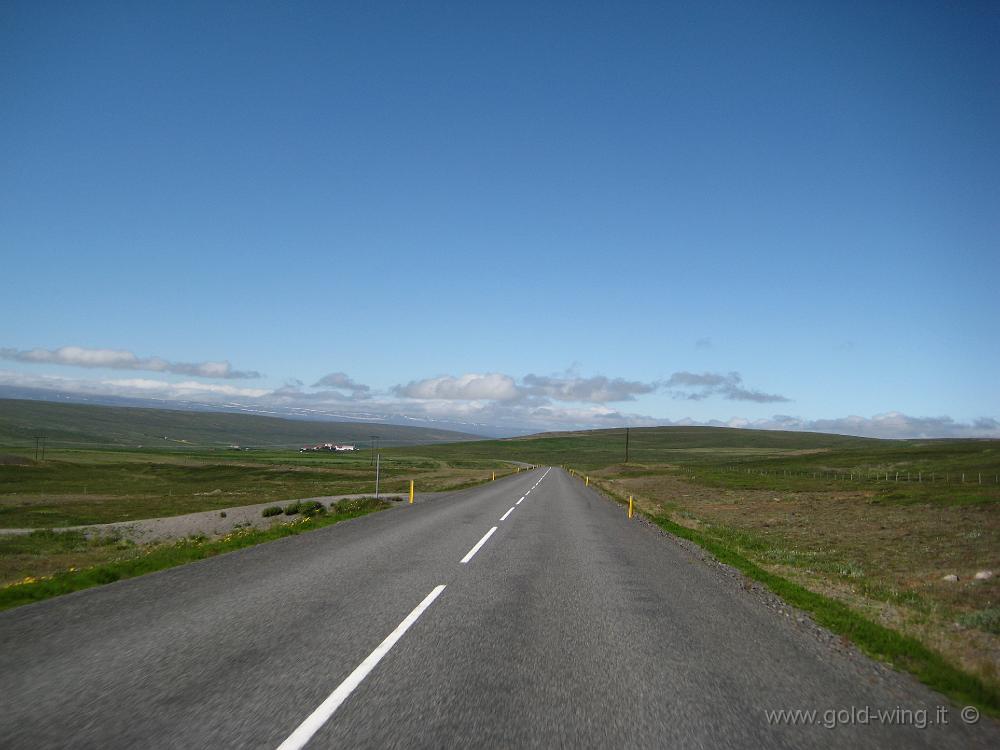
x=208 y=523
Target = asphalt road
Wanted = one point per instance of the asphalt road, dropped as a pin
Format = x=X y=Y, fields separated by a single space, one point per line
x=569 y=626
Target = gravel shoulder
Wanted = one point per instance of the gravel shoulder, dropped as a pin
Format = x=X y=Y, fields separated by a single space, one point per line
x=208 y=523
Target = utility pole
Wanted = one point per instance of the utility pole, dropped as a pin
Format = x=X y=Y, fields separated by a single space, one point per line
x=39 y=443
x=626 y=445
x=374 y=448
x=378 y=457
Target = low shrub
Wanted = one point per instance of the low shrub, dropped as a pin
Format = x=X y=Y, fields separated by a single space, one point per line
x=987 y=620
x=311 y=508
x=271 y=510
x=293 y=508
x=358 y=505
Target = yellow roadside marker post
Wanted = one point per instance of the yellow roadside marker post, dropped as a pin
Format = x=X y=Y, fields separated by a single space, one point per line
x=588 y=482
x=411 y=492
x=494 y=477
x=629 y=506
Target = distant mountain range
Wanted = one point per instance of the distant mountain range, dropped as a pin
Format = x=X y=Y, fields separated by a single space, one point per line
x=294 y=413
x=80 y=425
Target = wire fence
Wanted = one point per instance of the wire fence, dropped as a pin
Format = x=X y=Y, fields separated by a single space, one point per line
x=871 y=475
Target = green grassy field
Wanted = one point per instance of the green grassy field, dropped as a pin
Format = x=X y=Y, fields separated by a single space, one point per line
x=717 y=449
x=84 y=487
x=91 y=475
x=79 y=487
x=103 y=464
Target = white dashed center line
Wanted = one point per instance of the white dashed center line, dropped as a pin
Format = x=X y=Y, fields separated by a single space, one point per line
x=480 y=543
x=305 y=731
x=321 y=715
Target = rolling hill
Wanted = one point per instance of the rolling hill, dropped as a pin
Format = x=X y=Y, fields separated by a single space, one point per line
x=78 y=425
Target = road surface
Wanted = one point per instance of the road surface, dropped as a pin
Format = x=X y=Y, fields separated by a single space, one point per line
x=477 y=619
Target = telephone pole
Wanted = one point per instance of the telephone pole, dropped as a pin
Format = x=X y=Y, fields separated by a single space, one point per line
x=374 y=449
x=626 y=445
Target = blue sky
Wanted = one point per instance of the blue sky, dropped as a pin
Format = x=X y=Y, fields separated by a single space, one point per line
x=522 y=215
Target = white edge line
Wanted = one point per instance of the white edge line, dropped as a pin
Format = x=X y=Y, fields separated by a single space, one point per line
x=519 y=501
x=321 y=715
x=480 y=543
x=504 y=516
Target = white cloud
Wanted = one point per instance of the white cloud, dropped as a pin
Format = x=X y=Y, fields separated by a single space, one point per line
x=187 y=389
x=129 y=387
x=342 y=381
x=507 y=415
x=699 y=386
x=516 y=416
x=499 y=387
x=891 y=424
x=598 y=389
x=471 y=387
x=119 y=359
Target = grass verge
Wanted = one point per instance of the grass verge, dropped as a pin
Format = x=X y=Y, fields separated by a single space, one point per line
x=901 y=651
x=184 y=551
x=83 y=488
